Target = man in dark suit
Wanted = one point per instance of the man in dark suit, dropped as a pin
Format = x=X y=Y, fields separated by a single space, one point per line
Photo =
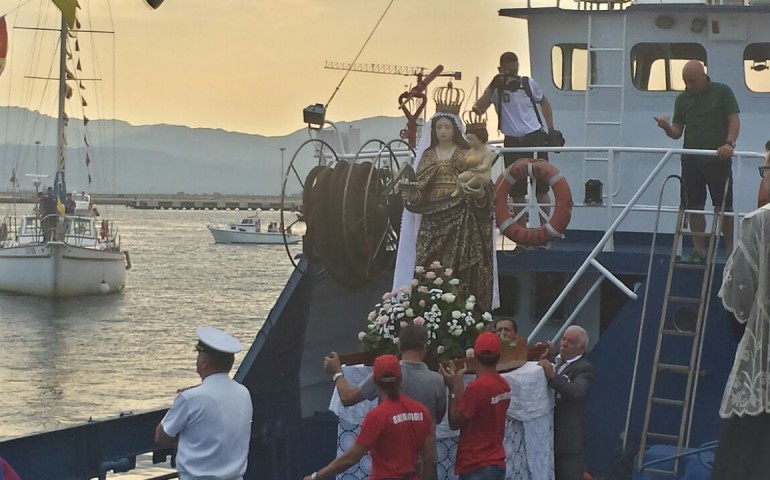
x=570 y=376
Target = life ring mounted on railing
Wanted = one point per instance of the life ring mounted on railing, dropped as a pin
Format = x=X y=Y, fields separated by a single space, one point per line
x=562 y=211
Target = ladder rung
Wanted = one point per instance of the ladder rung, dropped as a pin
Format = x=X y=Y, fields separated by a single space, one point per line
x=690 y=265
x=678 y=333
x=601 y=122
x=668 y=401
x=605 y=49
x=605 y=85
x=660 y=472
x=684 y=299
x=668 y=367
x=690 y=233
x=663 y=436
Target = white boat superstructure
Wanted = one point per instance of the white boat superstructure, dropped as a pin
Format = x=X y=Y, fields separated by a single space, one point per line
x=249 y=230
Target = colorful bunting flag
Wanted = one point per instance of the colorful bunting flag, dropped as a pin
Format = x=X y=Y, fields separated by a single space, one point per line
x=67 y=8
x=3 y=43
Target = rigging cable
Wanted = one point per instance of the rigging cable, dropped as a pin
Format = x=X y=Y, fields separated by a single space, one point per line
x=359 y=53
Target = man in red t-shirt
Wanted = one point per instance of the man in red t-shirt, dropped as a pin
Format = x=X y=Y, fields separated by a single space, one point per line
x=398 y=432
x=479 y=412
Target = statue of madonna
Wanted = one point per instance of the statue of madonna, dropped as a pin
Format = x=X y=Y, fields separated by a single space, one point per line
x=441 y=225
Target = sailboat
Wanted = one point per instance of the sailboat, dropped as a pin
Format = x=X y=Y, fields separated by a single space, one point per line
x=50 y=252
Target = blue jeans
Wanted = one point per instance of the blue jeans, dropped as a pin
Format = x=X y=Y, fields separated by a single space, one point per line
x=492 y=472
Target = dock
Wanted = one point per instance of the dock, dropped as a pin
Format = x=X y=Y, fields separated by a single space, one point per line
x=179 y=201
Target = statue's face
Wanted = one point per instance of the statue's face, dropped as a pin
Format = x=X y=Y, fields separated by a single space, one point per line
x=473 y=140
x=444 y=129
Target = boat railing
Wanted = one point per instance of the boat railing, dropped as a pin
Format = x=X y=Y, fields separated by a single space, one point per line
x=605 y=243
x=609 y=5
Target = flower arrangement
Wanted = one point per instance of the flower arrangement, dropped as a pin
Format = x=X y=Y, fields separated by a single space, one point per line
x=435 y=299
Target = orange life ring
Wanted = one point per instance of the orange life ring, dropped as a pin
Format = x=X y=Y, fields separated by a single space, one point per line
x=562 y=211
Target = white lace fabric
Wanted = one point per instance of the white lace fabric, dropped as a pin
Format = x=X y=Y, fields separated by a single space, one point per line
x=745 y=292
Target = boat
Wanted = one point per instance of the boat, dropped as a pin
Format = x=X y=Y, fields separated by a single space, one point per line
x=250 y=230
x=609 y=273
x=59 y=254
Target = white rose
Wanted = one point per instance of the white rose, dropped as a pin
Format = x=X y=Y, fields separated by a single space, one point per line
x=403 y=324
x=454 y=281
x=440 y=349
x=372 y=316
x=457 y=314
x=449 y=297
x=457 y=332
x=479 y=326
x=435 y=308
x=469 y=306
x=409 y=312
x=472 y=298
x=371 y=327
x=361 y=336
x=487 y=316
x=469 y=353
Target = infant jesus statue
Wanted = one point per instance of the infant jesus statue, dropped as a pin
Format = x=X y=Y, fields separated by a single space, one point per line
x=478 y=161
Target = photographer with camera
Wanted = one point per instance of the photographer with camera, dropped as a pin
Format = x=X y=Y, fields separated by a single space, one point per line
x=515 y=100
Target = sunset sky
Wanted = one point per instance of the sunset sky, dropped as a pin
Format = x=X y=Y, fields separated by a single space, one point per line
x=253 y=65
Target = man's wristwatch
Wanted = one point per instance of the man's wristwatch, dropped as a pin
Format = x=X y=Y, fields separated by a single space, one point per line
x=314 y=475
x=732 y=144
x=336 y=376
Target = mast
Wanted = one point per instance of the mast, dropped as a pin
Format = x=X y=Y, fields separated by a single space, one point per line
x=60 y=187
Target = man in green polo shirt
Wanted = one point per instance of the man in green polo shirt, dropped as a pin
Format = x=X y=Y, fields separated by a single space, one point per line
x=707 y=113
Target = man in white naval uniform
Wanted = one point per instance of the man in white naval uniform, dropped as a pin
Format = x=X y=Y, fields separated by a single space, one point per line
x=210 y=424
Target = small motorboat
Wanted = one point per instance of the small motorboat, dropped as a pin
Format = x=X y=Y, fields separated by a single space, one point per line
x=250 y=231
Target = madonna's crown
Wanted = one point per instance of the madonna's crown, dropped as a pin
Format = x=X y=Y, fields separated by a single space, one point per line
x=474 y=121
x=448 y=99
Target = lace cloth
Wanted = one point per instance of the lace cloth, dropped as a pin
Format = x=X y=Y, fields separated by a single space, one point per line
x=746 y=293
x=528 y=431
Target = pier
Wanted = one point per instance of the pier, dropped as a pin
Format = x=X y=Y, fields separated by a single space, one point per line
x=178 y=201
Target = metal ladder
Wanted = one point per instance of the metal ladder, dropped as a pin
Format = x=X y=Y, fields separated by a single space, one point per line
x=608 y=62
x=667 y=334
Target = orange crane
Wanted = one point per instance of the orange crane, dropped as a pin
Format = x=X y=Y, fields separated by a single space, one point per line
x=406 y=101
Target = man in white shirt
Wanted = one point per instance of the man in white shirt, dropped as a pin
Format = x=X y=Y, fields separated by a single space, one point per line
x=210 y=424
x=514 y=98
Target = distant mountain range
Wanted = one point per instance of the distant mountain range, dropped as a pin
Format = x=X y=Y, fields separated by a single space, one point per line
x=159 y=158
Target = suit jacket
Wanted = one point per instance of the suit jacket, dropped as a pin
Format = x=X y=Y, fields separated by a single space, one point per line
x=571 y=387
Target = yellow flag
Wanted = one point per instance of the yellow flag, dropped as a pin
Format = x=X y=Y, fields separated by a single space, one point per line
x=67 y=8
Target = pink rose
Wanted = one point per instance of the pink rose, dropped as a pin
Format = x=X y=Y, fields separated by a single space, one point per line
x=403 y=324
x=422 y=289
x=387 y=296
x=448 y=272
x=430 y=275
x=439 y=281
x=361 y=336
x=469 y=353
x=419 y=269
x=422 y=303
x=406 y=304
x=435 y=264
x=415 y=282
x=419 y=321
x=440 y=349
x=395 y=340
x=382 y=319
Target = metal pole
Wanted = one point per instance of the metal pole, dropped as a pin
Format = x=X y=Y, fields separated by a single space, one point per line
x=37 y=157
x=283 y=149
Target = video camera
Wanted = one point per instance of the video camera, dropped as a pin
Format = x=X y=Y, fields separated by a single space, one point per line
x=506 y=81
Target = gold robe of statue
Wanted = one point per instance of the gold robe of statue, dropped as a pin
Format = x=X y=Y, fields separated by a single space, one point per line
x=456 y=230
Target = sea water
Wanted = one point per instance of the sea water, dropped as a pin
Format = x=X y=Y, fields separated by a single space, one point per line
x=66 y=361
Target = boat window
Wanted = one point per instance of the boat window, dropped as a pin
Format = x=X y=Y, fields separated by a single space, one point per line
x=756 y=67
x=569 y=62
x=658 y=66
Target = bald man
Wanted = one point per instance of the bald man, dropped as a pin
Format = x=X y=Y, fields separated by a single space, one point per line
x=707 y=113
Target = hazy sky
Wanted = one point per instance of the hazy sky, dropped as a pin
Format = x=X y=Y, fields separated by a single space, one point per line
x=253 y=65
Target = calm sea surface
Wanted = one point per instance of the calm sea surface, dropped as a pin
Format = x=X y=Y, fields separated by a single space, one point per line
x=65 y=361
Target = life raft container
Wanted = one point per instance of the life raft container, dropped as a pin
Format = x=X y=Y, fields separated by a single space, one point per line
x=562 y=211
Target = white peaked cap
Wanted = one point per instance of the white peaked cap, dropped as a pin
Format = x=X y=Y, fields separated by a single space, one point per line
x=218 y=340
